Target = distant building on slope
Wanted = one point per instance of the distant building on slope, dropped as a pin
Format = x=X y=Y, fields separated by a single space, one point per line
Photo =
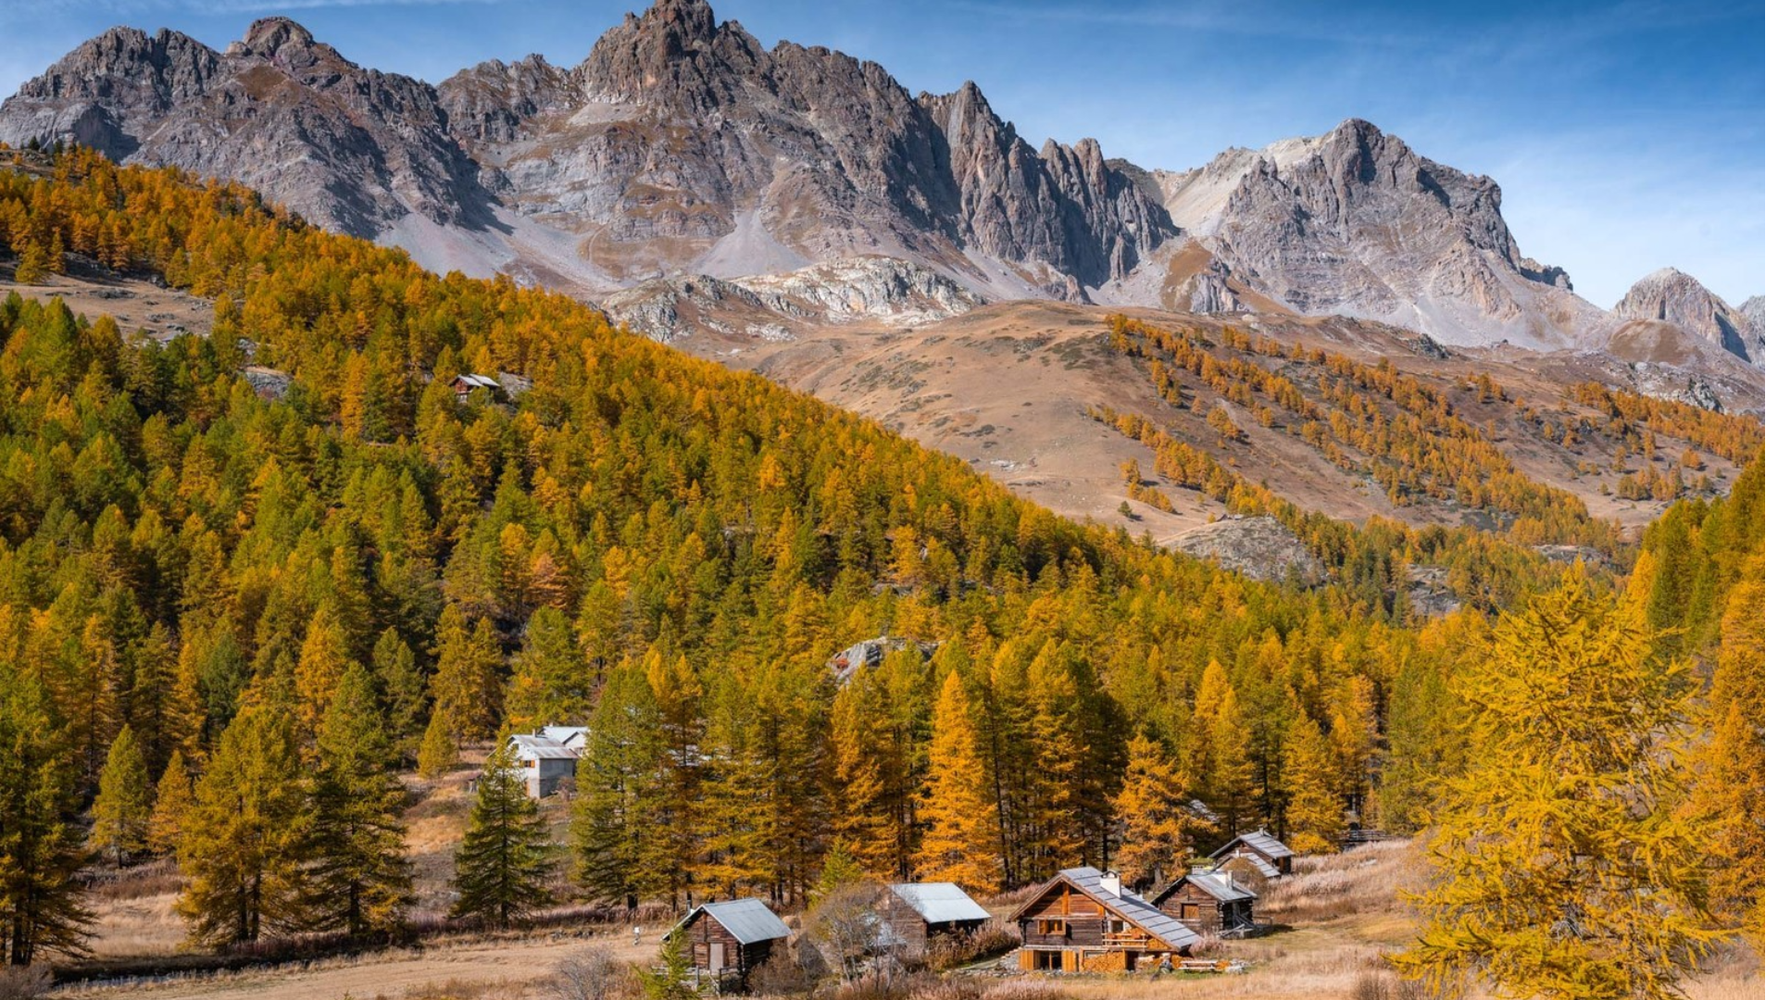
x=1259 y=850
x=548 y=758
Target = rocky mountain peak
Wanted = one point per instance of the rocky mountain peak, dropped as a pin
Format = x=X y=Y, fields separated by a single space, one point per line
x=1671 y=296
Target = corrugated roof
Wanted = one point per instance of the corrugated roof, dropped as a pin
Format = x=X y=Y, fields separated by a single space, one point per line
x=1260 y=841
x=749 y=920
x=572 y=737
x=939 y=902
x=1221 y=886
x=1263 y=866
x=480 y=381
x=541 y=748
x=1132 y=908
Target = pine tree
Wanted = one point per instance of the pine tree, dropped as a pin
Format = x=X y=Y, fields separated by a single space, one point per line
x=1560 y=866
x=1313 y=817
x=40 y=899
x=960 y=844
x=173 y=801
x=359 y=875
x=239 y=850
x=506 y=862
x=438 y=750
x=125 y=804
x=1159 y=832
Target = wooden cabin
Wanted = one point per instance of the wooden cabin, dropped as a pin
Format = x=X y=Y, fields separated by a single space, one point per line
x=727 y=940
x=467 y=383
x=915 y=912
x=1209 y=903
x=1265 y=853
x=1084 y=921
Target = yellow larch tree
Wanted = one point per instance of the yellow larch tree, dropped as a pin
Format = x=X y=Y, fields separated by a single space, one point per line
x=960 y=844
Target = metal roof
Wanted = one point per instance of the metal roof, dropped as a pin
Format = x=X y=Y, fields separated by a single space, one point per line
x=749 y=920
x=479 y=381
x=939 y=902
x=1132 y=908
x=1220 y=885
x=572 y=737
x=541 y=748
x=1264 y=867
x=1260 y=841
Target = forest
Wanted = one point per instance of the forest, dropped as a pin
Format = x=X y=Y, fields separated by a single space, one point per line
x=228 y=620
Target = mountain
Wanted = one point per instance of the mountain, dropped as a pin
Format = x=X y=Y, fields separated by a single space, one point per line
x=1674 y=297
x=1355 y=222
x=681 y=146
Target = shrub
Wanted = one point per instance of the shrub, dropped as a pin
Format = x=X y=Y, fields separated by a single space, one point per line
x=27 y=982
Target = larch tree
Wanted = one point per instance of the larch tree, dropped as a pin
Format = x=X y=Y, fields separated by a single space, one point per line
x=860 y=748
x=1561 y=867
x=550 y=684
x=439 y=752
x=239 y=850
x=961 y=843
x=322 y=661
x=173 y=800
x=1732 y=788
x=1220 y=761
x=40 y=899
x=619 y=786
x=466 y=684
x=506 y=862
x=1158 y=832
x=359 y=876
x=402 y=686
x=125 y=803
x=1313 y=815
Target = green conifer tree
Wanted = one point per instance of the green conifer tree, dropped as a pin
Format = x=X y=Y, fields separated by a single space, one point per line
x=125 y=804
x=506 y=862
x=40 y=899
x=359 y=876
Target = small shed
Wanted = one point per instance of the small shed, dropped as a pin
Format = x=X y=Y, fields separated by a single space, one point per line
x=543 y=763
x=731 y=938
x=1264 y=852
x=917 y=911
x=1209 y=903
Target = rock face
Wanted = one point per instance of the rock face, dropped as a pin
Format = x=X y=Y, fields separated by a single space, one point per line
x=678 y=144
x=350 y=148
x=883 y=290
x=1355 y=222
x=1258 y=547
x=1672 y=296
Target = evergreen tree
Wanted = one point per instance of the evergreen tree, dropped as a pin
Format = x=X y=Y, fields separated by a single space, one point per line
x=506 y=861
x=550 y=683
x=239 y=851
x=466 y=685
x=1560 y=866
x=359 y=874
x=173 y=801
x=670 y=978
x=1313 y=818
x=960 y=841
x=438 y=749
x=1159 y=832
x=40 y=902
x=619 y=800
x=125 y=804
x=403 y=689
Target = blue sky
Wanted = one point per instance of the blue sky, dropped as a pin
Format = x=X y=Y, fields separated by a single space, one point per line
x=1626 y=136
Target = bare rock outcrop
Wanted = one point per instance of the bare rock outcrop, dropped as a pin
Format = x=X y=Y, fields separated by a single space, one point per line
x=1258 y=547
x=1672 y=296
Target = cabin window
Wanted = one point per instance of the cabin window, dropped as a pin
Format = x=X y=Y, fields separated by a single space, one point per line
x=1052 y=927
x=1116 y=926
x=1047 y=959
x=1188 y=911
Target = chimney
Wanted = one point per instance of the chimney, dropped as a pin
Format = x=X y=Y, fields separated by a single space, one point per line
x=1112 y=883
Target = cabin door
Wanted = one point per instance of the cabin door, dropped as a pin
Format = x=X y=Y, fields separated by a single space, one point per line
x=717 y=957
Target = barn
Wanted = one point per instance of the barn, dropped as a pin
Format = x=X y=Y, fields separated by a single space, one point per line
x=1083 y=920
x=917 y=911
x=727 y=940
x=1209 y=903
x=1265 y=853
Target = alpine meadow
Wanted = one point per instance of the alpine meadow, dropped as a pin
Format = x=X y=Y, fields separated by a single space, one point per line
x=681 y=614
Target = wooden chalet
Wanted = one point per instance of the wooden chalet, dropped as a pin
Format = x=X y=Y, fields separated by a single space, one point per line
x=914 y=912
x=727 y=940
x=1260 y=850
x=1083 y=921
x=467 y=383
x=1209 y=903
